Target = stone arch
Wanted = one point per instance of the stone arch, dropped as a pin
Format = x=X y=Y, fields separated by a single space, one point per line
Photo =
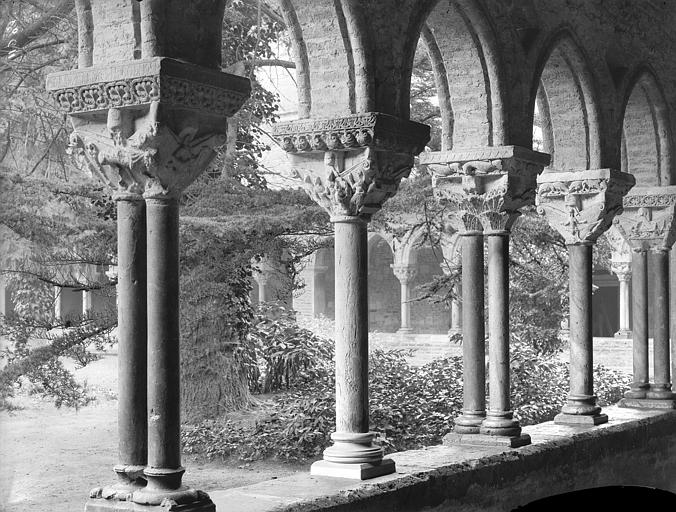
x=462 y=48
x=646 y=146
x=383 y=286
x=565 y=95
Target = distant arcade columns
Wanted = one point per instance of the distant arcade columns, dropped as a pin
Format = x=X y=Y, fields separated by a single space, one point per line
x=648 y=225
x=622 y=269
x=350 y=166
x=581 y=206
x=405 y=274
x=483 y=190
x=137 y=139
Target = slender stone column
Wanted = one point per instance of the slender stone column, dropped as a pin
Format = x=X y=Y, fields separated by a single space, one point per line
x=672 y=309
x=58 y=307
x=262 y=279
x=86 y=302
x=639 y=264
x=581 y=405
x=499 y=418
x=623 y=273
x=473 y=335
x=661 y=388
x=344 y=167
x=648 y=224
x=483 y=191
x=581 y=207
x=132 y=420
x=456 y=312
x=405 y=274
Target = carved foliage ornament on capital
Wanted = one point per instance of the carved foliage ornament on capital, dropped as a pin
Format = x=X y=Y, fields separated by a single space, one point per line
x=649 y=218
x=485 y=188
x=150 y=126
x=581 y=205
x=350 y=166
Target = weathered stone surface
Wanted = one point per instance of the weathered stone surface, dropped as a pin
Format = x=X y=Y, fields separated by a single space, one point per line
x=649 y=217
x=582 y=205
x=485 y=187
x=479 y=478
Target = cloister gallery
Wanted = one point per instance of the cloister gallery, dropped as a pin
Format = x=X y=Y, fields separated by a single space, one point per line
x=149 y=104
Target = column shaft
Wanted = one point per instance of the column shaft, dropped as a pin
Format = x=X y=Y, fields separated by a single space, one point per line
x=473 y=336
x=456 y=313
x=624 y=304
x=581 y=399
x=405 y=307
x=131 y=327
x=164 y=449
x=351 y=326
x=499 y=419
x=639 y=295
x=672 y=309
x=661 y=388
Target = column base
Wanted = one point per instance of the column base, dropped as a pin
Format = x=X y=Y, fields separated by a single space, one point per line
x=580 y=420
x=660 y=392
x=637 y=390
x=486 y=440
x=647 y=403
x=624 y=334
x=469 y=422
x=359 y=471
x=405 y=330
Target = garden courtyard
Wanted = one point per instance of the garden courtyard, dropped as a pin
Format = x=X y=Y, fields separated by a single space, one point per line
x=50 y=455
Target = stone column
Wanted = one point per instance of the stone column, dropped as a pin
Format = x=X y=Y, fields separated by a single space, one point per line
x=406 y=274
x=86 y=302
x=57 y=303
x=262 y=278
x=132 y=423
x=581 y=206
x=660 y=389
x=456 y=312
x=648 y=224
x=639 y=385
x=672 y=308
x=622 y=269
x=484 y=191
x=345 y=167
x=137 y=138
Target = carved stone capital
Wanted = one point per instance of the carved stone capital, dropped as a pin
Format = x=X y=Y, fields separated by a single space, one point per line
x=649 y=218
x=373 y=130
x=147 y=126
x=622 y=269
x=581 y=205
x=405 y=273
x=485 y=187
x=354 y=183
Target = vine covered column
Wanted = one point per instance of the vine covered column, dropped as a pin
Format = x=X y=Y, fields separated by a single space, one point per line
x=147 y=128
x=484 y=190
x=648 y=225
x=350 y=166
x=581 y=206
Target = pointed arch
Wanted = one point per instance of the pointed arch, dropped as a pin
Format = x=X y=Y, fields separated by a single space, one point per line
x=463 y=50
x=646 y=142
x=565 y=93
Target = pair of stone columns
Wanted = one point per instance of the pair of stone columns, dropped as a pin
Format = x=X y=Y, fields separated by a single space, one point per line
x=648 y=225
x=350 y=166
x=483 y=190
x=147 y=129
x=581 y=206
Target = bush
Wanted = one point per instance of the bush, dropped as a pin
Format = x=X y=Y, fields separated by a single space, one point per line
x=278 y=354
x=410 y=407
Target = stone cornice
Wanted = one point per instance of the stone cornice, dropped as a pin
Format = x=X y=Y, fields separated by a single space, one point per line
x=649 y=218
x=354 y=183
x=485 y=187
x=137 y=83
x=581 y=205
x=365 y=130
